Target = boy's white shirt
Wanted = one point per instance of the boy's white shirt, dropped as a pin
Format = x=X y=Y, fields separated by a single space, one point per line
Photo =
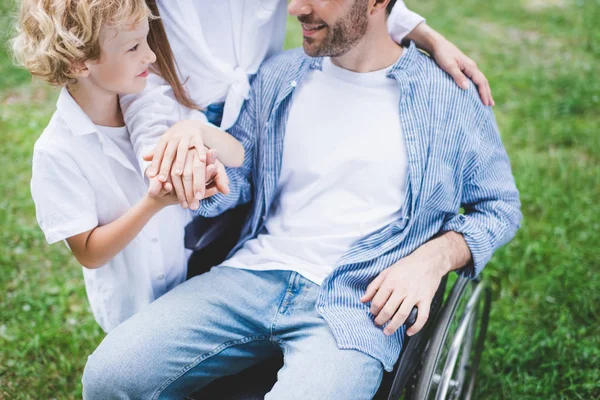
x=256 y=30
x=82 y=179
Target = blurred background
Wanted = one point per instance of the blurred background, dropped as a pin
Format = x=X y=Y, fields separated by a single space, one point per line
x=542 y=58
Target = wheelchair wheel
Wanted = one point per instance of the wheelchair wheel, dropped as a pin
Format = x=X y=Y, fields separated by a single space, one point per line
x=452 y=355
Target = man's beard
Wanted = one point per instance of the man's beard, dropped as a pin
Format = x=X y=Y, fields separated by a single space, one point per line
x=342 y=35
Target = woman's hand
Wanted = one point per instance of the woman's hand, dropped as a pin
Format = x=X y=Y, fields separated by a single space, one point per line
x=169 y=155
x=452 y=60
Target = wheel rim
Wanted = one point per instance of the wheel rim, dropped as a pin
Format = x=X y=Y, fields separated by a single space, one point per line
x=455 y=368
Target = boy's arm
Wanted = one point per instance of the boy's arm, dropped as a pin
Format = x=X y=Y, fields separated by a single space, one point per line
x=96 y=247
x=66 y=209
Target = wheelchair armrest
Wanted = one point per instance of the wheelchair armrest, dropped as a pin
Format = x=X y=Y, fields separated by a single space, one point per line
x=201 y=232
x=412 y=317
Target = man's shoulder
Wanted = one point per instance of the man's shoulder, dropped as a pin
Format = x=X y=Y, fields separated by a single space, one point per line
x=283 y=60
x=277 y=73
x=444 y=90
x=282 y=65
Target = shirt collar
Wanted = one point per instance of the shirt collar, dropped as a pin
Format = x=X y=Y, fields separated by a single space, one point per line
x=73 y=116
x=404 y=66
x=80 y=124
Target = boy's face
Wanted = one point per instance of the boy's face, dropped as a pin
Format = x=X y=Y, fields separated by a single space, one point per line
x=124 y=60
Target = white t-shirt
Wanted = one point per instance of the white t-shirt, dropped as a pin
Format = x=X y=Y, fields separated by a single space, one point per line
x=86 y=176
x=343 y=173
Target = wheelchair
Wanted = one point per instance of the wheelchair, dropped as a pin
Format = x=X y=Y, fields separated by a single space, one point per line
x=439 y=362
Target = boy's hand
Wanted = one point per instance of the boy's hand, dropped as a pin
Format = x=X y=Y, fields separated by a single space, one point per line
x=162 y=193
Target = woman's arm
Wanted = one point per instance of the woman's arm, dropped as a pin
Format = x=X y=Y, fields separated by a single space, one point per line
x=172 y=147
x=405 y=24
x=99 y=245
x=148 y=115
x=452 y=60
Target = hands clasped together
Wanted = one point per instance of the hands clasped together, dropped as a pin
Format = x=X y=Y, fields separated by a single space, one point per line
x=183 y=170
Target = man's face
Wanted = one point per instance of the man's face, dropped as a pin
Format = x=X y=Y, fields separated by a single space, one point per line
x=330 y=27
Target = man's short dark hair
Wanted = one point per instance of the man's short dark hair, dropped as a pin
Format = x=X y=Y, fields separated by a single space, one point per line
x=390 y=6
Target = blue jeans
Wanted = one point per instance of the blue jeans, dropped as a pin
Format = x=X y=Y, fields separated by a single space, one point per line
x=214 y=113
x=220 y=323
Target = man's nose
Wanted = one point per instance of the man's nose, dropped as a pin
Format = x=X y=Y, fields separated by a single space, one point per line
x=299 y=7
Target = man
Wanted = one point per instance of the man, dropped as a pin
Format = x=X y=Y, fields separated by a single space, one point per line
x=359 y=156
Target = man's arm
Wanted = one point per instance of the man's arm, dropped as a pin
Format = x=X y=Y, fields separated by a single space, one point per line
x=490 y=199
x=244 y=130
x=492 y=217
x=405 y=24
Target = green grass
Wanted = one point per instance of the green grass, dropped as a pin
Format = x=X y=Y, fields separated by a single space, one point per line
x=542 y=59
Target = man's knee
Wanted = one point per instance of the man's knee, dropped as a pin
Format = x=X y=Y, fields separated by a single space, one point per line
x=107 y=376
x=101 y=380
x=119 y=368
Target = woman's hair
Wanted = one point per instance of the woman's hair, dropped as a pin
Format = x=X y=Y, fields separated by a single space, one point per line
x=165 y=61
x=55 y=37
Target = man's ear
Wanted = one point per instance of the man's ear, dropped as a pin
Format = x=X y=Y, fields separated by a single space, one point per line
x=379 y=6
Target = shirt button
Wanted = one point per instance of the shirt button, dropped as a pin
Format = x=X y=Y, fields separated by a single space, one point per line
x=154 y=240
x=160 y=277
x=294 y=84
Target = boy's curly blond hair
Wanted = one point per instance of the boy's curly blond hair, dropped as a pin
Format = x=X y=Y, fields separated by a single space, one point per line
x=55 y=37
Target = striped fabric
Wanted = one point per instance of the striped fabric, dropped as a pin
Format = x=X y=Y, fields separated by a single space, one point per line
x=456 y=159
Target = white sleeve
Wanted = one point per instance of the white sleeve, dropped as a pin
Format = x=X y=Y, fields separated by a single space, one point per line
x=402 y=21
x=150 y=113
x=65 y=203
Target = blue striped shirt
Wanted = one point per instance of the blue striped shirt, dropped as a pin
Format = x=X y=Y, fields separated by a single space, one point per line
x=456 y=159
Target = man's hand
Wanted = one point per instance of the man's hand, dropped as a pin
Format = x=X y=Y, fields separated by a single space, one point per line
x=413 y=281
x=452 y=60
x=217 y=181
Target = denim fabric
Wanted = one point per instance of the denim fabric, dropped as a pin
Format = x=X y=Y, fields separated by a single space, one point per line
x=220 y=323
x=214 y=113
